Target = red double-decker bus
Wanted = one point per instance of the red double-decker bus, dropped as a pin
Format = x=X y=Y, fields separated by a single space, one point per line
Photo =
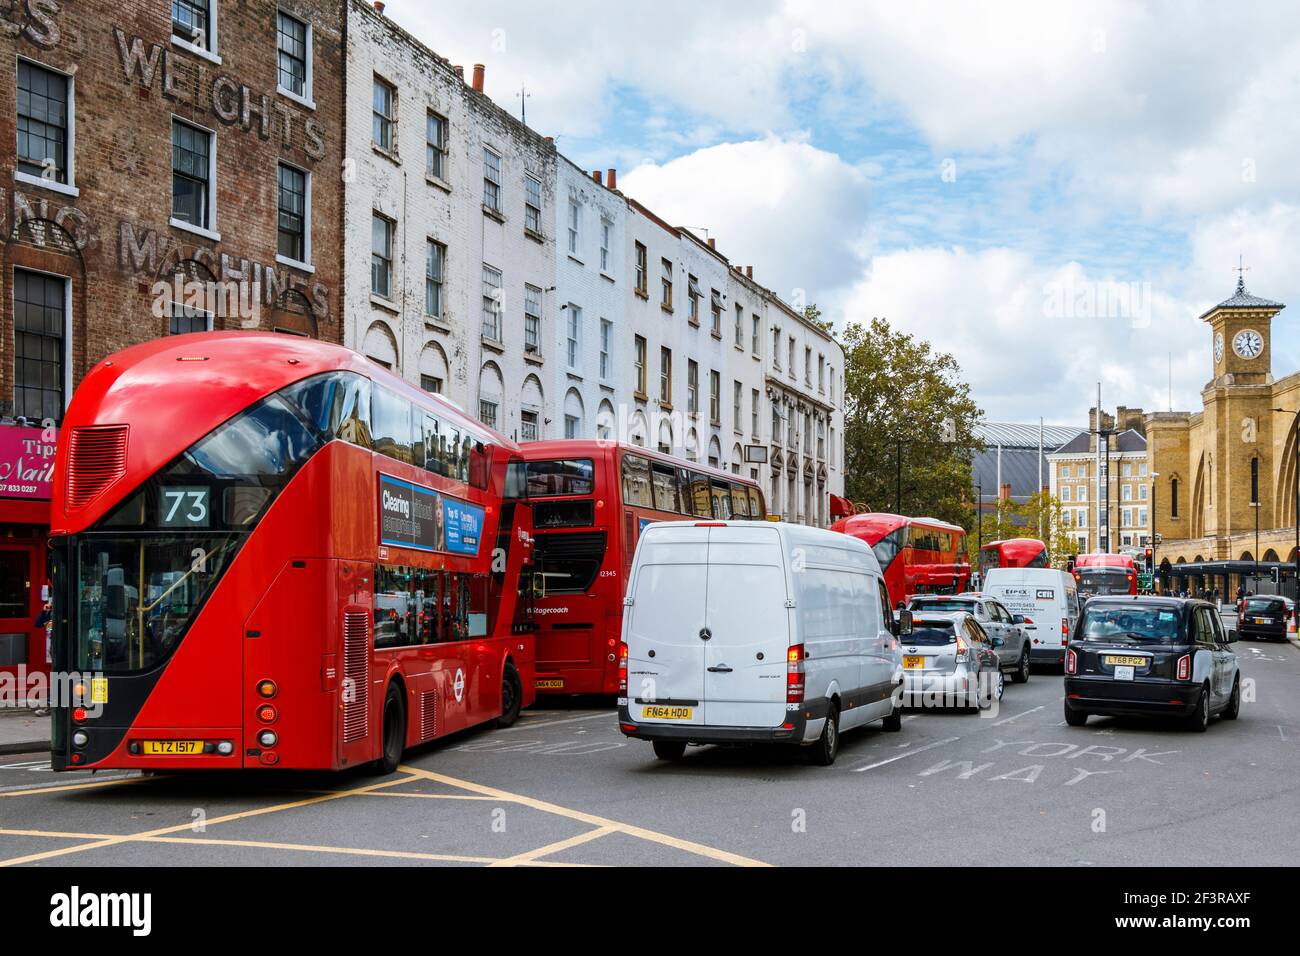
x=270 y=552
x=1105 y=574
x=916 y=555
x=589 y=500
x=1012 y=553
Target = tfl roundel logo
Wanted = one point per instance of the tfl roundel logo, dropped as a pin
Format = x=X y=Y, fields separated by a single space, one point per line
x=458 y=684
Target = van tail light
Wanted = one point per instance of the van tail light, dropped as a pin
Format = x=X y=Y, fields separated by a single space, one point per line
x=963 y=650
x=622 y=669
x=1184 y=671
x=1065 y=631
x=1071 y=662
x=794 y=675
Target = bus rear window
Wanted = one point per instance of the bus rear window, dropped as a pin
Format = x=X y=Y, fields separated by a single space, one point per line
x=567 y=563
x=563 y=476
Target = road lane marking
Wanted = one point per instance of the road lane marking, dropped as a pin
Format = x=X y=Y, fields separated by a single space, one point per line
x=164 y=831
x=881 y=763
x=1007 y=720
x=276 y=845
x=652 y=836
x=21 y=791
x=556 y=847
x=612 y=717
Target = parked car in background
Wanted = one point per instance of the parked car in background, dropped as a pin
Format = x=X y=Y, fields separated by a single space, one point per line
x=1151 y=656
x=1046 y=596
x=749 y=632
x=1263 y=616
x=997 y=621
x=949 y=660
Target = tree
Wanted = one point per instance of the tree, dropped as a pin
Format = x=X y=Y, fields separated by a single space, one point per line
x=908 y=425
x=814 y=315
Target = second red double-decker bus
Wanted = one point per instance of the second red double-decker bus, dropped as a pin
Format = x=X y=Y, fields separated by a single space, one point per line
x=916 y=555
x=589 y=500
x=1105 y=574
x=270 y=552
x=1012 y=553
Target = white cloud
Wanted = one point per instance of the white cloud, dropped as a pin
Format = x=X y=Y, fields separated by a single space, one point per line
x=1034 y=339
x=796 y=213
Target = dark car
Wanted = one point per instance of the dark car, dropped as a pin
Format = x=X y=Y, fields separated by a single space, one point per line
x=1151 y=656
x=1263 y=616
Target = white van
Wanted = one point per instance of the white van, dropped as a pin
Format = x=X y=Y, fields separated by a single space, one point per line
x=1044 y=596
x=741 y=632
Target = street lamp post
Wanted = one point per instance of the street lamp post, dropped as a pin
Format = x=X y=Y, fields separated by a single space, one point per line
x=1154 y=476
x=1255 y=575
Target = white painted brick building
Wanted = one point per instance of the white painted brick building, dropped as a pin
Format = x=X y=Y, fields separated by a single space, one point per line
x=480 y=264
x=449 y=250
x=588 y=360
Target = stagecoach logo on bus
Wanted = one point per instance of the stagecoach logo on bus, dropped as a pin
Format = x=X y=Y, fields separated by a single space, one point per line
x=422 y=518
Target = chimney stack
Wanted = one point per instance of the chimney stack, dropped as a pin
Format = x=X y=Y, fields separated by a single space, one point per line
x=595 y=174
x=713 y=243
x=460 y=72
x=749 y=272
x=379 y=7
x=611 y=178
x=1005 y=492
x=478 y=77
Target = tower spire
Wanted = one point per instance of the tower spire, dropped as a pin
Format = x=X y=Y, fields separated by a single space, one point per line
x=1241 y=271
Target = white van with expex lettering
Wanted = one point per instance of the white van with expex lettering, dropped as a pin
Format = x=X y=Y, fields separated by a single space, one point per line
x=1045 y=596
x=744 y=631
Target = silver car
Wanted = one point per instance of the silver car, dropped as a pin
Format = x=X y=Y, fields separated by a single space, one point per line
x=1010 y=632
x=949 y=661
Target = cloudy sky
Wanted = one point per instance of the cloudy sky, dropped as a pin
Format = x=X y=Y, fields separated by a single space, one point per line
x=1052 y=192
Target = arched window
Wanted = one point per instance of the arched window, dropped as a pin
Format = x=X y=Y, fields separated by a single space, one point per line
x=1173 y=497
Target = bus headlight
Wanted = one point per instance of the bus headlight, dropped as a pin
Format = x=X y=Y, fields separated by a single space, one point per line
x=267 y=738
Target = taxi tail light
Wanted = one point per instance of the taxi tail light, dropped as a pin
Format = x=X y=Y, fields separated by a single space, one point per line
x=622 y=669
x=1029 y=620
x=1071 y=662
x=1184 y=670
x=794 y=675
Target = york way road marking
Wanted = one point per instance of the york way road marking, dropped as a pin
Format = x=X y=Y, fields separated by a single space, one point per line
x=881 y=763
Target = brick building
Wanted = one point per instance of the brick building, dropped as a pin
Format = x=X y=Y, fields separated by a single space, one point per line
x=165 y=166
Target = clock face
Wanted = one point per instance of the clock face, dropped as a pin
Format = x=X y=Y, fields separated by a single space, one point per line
x=1248 y=343
x=1218 y=346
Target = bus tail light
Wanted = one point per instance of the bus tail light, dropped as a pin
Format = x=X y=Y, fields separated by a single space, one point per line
x=268 y=738
x=1071 y=662
x=622 y=669
x=1184 y=670
x=267 y=713
x=266 y=688
x=794 y=675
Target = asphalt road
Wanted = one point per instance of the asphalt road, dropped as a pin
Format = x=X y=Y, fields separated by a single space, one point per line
x=563 y=787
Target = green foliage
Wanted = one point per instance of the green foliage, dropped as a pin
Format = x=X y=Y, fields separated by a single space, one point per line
x=908 y=425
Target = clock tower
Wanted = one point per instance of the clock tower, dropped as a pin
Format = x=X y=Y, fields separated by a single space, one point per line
x=1240 y=329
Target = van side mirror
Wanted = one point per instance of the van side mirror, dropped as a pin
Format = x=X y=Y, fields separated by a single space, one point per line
x=1232 y=636
x=903 y=626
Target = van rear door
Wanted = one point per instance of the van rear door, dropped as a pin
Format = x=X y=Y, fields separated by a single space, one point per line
x=748 y=628
x=665 y=620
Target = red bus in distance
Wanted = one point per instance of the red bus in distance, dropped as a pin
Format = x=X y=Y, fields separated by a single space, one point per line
x=589 y=500
x=916 y=555
x=1105 y=574
x=1012 y=553
x=268 y=551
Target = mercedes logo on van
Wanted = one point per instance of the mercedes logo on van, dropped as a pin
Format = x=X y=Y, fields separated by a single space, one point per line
x=705 y=634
